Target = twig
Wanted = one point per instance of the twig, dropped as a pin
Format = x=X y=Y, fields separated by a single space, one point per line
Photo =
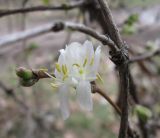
x=99 y=91
x=145 y=56
x=56 y=27
x=10 y=92
x=134 y=92
x=124 y=88
x=43 y=8
x=19 y=36
x=130 y=132
x=121 y=60
x=102 y=38
x=112 y=28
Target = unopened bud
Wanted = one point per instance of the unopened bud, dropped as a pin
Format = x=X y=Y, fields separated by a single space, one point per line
x=24 y=73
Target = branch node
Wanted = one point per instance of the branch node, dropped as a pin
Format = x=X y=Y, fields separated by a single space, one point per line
x=58 y=26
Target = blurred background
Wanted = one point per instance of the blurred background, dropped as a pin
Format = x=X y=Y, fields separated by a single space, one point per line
x=33 y=112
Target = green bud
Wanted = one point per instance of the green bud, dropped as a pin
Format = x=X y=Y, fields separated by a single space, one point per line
x=85 y=62
x=46 y=2
x=128 y=29
x=143 y=113
x=24 y=73
x=27 y=83
x=132 y=19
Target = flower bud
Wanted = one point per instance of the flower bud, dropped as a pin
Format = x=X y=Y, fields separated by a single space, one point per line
x=24 y=73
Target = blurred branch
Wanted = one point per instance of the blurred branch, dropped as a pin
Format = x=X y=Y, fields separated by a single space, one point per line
x=56 y=27
x=130 y=132
x=69 y=6
x=112 y=28
x=103 y=94
x=7 y=90
x=145 y=56
x=10 y=92
x=121 y=60
x=142 y=66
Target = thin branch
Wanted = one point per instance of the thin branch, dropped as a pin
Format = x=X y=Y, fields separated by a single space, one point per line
x=56 y=27
x=10 y=92
x=121 y=60
x=19 y=36
x=124 y=89
x=112 y=28
x=130 y=132
x=99 y=91
x=43 y=8
x=145 y=56
x=102 y=38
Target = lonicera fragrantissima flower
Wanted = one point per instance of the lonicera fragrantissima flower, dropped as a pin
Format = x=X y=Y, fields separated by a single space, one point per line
x=77 y=66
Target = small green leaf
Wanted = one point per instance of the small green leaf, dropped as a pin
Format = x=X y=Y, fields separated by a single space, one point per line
x=143 y=112
x=128 y=29
x=46 y=2
x=32 y=46
x=132 y=19
x=150 y=45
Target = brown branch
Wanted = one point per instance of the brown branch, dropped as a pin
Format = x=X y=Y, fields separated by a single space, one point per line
x=121 y=60
x=134 y=93
x=56 y=27
x=102 y=93
x=43 y=8
x=130 y=132
x=124 y=88
x=102 y=38
x=145 y=56
x=112 y=28
x=11 y=93
x=141 y=64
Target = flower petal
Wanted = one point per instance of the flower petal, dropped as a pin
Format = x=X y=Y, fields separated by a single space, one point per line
x=97 y=58
x=93 y=69
x=74 y=51
x=61 y=61
x=63 y=97
x=84 y=95
x=89 y=50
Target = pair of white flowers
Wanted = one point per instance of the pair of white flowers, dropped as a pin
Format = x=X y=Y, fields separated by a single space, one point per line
x=77 y=66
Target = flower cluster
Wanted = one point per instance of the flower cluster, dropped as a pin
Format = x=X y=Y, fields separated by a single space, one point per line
x=77 y=66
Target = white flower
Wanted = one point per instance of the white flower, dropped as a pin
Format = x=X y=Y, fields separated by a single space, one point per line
x=77 y=66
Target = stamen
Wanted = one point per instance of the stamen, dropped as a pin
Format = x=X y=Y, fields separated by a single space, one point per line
x=81 y=71
x=64 y=77
x=92 y=61
x=99 y=77
x=54 y=85
x=85 y=62
x=64 y=69
x=77 y=65
x=50 y=75
x=58 y=67
x=43 y=69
